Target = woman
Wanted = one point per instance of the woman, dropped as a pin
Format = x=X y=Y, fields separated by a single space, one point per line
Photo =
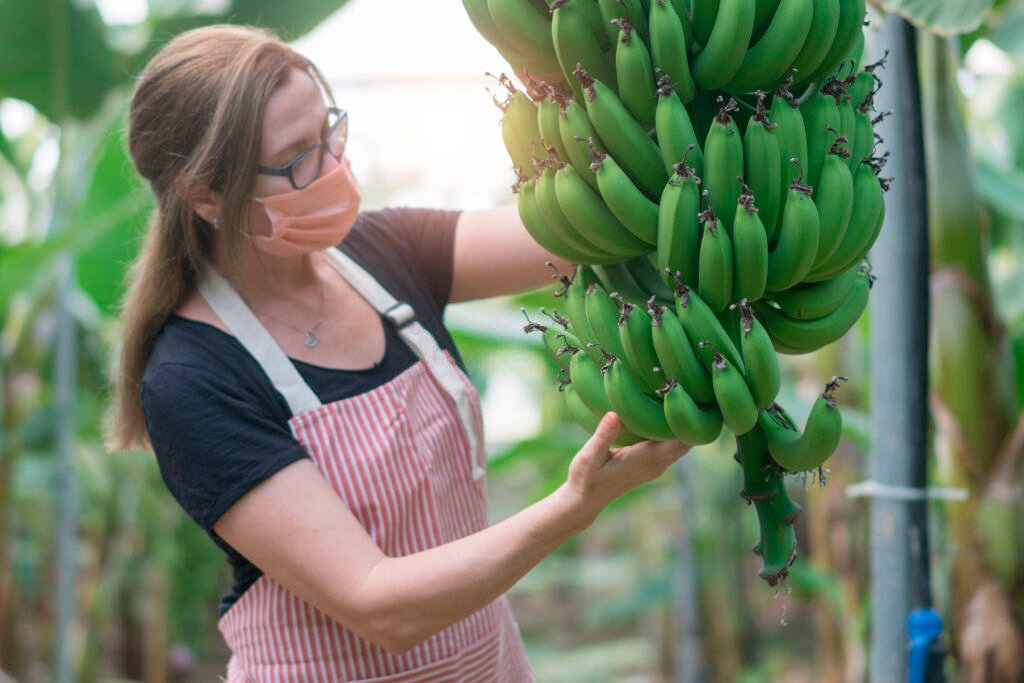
x=306 y=406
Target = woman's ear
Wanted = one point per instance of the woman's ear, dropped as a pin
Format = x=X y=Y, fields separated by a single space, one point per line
x=208 y=205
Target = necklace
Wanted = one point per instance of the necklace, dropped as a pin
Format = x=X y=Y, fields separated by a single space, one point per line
x=311 y=337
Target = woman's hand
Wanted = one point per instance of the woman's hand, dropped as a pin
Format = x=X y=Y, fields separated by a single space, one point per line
x=599 y=474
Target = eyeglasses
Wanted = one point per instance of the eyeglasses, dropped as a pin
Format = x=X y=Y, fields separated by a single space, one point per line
x=305 y=168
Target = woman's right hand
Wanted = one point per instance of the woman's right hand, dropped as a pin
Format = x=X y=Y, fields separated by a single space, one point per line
x=599 y=474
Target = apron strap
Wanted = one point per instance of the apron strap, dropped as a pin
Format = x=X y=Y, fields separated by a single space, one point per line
x=403 y=317
x=230 y=308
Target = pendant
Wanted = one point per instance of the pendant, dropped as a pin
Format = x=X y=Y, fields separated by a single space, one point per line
x=312 y=339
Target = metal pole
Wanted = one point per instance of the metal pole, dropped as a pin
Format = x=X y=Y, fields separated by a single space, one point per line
x=65 y=376
x=899 y=366
x=689 y=663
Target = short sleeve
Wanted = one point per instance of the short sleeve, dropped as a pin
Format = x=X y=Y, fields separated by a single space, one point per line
x=212 y=442
x=426 y=238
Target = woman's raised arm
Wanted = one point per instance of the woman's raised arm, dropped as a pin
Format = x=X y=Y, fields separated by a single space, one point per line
x=494 y=254
x=298 y=531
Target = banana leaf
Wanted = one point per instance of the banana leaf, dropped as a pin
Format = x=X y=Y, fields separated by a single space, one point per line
x=943 y=17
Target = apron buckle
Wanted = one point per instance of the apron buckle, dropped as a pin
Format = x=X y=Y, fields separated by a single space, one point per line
x=400 y=314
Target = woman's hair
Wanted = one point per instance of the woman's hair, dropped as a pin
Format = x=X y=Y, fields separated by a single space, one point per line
x=193 y=125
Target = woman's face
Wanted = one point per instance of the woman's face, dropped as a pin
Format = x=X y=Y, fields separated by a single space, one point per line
x=294 y=120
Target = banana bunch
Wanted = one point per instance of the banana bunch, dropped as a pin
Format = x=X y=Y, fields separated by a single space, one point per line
x=716 y=218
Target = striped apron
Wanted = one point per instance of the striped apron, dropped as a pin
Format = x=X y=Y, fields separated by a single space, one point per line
x=408 y=459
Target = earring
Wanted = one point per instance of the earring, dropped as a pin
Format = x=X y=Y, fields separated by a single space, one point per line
x=216 y=223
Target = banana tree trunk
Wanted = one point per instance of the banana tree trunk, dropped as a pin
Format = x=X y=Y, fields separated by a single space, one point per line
x=973 y=399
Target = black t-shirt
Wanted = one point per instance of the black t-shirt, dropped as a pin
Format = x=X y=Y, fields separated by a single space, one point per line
x=217 y=424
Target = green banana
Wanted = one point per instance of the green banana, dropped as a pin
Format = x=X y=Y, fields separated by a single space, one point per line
x=763 y=11
x=547 y=124
x=633 y=10
x=622 y=197
x=547 y=202
x=643 y=270
x=576 y=44
x=576 y=310
x=739 y=412
x=589 y=382
x=821 y=112
x=834 y=201
x=641 y=414
x=758 y=474
x=848 y=32
x=808 y=301
x=592 y=12
x=690 y=423
x=763 y=376
x=723 y=161
x=793 y=336
x=704 y=13
x=603 y=316
x=792 y=138
x=588 y=214
x=847 y=114
x=799 y=452
x=794 y=253
x=635 y=335
x=669 y=48
x=625 y=139
x=585 y=418
x=722 y=56
x=676 y=356
x=538 y=228
x=864 y=140
x=526 y=29
x=575 y=129
x=863 y=85
x=483 y=22
x=715 y=267
x=865 y=222
x=676 y=136
x=557 y=341
x=824 y=23
x=679 y=225
x=617 y=279
x=770 y=57
x=750 y=248
x=519 y=129
x=701 y=325
x=634 y=75
x=762 y=171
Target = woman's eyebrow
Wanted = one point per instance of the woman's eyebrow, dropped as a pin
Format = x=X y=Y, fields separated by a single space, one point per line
x=299 y=144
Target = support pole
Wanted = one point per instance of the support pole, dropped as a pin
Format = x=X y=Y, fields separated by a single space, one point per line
x=900 y=577
x=689 y=660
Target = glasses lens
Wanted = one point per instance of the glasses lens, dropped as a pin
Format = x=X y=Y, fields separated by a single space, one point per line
x=308 y=168
x=338 y=122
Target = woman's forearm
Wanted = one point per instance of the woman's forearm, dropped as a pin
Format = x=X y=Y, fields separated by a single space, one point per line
x=413 y=597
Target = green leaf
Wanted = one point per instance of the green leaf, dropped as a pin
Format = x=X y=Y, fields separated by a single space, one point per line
x=1002 y=190
x=944 y=17
x=31 y=36
x=102 y=265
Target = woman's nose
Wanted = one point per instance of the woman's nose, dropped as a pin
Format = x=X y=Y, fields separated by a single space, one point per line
x=329 y=164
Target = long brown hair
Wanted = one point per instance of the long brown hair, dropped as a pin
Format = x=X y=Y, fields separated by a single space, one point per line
x=194 y=124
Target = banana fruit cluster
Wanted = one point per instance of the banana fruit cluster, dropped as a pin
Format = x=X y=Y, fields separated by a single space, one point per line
x=707 y=241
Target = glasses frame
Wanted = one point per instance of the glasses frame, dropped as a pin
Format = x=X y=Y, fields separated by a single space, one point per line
x=286 y=169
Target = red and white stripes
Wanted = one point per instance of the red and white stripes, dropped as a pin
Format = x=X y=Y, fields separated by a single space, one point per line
x=399 y=458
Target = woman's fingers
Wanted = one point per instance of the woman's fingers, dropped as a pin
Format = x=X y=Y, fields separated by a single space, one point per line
x=596 y=451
